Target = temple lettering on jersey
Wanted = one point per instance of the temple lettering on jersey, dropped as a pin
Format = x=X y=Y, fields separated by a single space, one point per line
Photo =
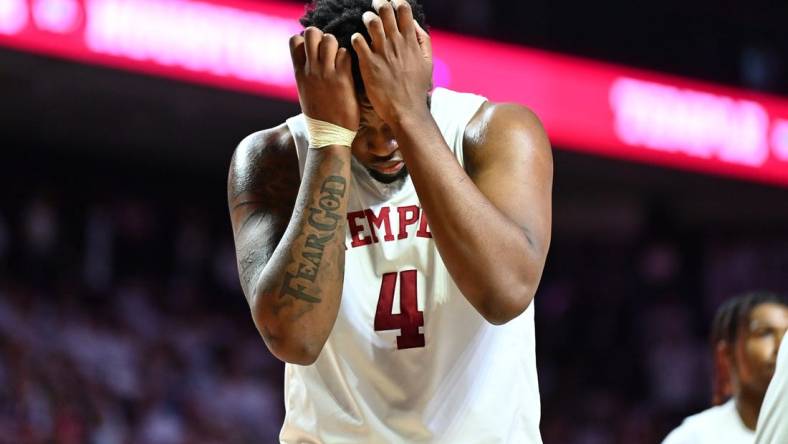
x=387 y=225
x=404 y=333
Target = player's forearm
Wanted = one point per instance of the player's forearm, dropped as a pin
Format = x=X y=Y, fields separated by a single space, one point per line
x=297 y=295
x=490 y=258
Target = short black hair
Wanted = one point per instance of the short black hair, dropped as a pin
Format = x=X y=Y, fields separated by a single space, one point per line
x=728 y=324
x=734 y=314
x=342 y=18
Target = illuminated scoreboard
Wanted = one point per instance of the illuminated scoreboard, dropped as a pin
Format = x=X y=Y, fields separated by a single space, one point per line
x=586 y=106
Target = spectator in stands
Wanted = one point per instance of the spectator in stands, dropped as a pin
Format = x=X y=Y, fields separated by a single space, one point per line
x=745 y=338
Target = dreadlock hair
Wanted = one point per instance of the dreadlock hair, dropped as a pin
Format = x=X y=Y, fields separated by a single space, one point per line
x=342 y=18
x=729 y=321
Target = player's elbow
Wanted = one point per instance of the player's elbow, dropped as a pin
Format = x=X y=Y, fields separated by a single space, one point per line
x=295 y=353
x=510 y=303
x=501 y=312
x=288 y=344
x=514 y=288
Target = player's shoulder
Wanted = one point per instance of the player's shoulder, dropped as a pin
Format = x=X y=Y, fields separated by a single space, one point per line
x=699 y=427
x=264 y=157
x=506 y=116
x=683 y=434
x=508 y=131
x=276 y=141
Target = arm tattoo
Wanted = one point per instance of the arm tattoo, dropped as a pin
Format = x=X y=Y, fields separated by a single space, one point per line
x=262 y=190
x=321 y=226
x=264 y=199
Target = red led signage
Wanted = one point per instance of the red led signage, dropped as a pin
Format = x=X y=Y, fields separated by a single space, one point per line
x=586 y=106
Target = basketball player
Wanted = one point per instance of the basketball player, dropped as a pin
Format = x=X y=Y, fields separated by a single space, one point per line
x=746 y=336
x=390 y=242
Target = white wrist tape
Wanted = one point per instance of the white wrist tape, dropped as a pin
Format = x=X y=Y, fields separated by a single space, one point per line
x=323 y=134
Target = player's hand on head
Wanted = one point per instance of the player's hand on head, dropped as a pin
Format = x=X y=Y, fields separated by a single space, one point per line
x=324 y=78
x=396 y=66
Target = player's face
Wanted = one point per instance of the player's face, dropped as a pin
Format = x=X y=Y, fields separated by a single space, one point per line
x=376 y=148
x=756 y=351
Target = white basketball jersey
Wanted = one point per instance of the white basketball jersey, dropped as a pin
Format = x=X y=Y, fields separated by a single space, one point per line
x=409 y=359
x=773 y=420
x=716 y=425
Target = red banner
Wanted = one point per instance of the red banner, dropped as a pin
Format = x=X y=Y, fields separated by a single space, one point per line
x=586 y=106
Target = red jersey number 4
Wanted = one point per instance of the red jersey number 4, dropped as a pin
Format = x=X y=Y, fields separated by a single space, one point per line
x=409 y=318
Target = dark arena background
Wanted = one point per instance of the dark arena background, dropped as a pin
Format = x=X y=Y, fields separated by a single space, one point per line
x=121 y=316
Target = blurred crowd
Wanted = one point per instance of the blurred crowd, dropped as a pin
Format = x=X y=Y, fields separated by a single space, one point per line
x=122 y=321
x=115 y=328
